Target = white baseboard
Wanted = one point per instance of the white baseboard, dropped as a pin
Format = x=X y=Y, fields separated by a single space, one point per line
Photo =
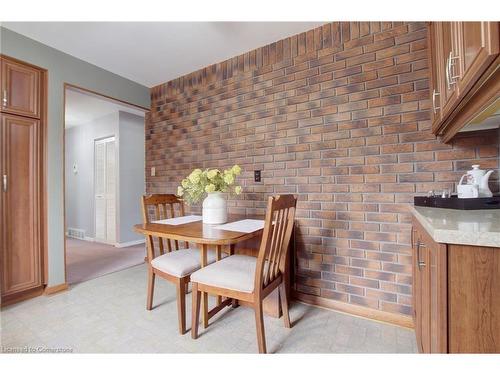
x=130 y=243
x=115 y=244
x=85 y=238
x=88 y=239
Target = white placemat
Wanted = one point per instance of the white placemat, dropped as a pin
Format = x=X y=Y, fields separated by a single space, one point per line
x=179 y=220
x=245 y=226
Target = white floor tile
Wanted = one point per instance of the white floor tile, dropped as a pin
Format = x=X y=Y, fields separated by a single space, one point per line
x=108 y=315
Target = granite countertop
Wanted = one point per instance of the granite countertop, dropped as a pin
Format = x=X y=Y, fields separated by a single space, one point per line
x=461 y=227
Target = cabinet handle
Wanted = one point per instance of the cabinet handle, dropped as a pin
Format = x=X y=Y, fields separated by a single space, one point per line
x=420 y=263
x=447 y=72
x=4 y=99
x=450 y=63
x=4 y=182
x=434 y=94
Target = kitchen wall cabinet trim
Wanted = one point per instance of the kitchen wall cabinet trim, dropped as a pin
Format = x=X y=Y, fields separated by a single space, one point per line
x=22 y=201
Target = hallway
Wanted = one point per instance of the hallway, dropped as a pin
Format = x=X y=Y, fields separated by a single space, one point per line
x=88 y=260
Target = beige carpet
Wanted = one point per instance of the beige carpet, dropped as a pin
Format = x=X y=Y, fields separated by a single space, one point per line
x=87 y=260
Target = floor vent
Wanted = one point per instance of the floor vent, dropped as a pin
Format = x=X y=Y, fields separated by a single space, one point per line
x=79 y=234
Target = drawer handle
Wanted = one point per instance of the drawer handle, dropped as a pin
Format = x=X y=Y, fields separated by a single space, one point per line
x=450 y=63
x=4 y=99
x=434 y=94
x=420 y=263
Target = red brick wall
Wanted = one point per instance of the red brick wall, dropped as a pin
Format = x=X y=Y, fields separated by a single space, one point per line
x=338 y=115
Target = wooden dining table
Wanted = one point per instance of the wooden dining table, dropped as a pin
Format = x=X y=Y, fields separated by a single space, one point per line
x=207 y=236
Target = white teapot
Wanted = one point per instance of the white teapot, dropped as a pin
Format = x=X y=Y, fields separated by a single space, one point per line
x=480 y=178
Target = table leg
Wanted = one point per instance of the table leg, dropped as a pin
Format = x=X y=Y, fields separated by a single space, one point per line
x=234 y=302
x=218 y=255
x=218 y=252
x=204 y=296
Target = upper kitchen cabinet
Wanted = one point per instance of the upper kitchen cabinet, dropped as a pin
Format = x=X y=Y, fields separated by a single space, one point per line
x=477 y=48
x=464 y=61
x=443 y=43
x=20 y=85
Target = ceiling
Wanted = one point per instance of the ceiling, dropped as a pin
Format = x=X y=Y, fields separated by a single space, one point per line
x=151 y=53
x=83 y=107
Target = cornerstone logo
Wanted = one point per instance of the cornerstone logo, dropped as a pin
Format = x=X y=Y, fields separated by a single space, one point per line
x=35 y=349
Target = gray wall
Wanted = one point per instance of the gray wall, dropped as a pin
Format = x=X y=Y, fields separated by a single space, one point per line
x=128 y=130
x=131 y=175
x=64 y=68
x=80 y=187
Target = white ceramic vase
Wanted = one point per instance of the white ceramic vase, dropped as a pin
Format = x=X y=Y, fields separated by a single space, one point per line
x=215 y=208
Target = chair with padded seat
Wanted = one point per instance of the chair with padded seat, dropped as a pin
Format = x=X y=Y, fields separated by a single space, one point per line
x=173 y=264
x=252 y=279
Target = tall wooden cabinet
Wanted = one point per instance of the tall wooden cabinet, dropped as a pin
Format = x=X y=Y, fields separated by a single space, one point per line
x=22 y=199
x=456 y=299
x=463 y=57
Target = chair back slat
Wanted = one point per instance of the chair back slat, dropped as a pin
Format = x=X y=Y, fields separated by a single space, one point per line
x=271 y=250
x=160 y=207
x=275 y=246
x=283 y=214
x=279 y=222
x=287 y=236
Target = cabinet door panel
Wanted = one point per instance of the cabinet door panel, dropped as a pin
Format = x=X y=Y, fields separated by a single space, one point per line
x=437 y=77
x=417 y=293
x=474 y=307
x=438 y=291
x=422 y=293
x=426 y=297
x=478 y=47
x=20 y=89
x=429 y=294
x=447 y=64
x=20 y=204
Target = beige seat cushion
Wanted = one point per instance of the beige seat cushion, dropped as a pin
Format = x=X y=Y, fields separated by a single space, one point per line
x=236 y=272
x=181 y=262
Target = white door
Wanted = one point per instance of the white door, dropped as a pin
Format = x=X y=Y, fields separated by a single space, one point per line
x=104 y=188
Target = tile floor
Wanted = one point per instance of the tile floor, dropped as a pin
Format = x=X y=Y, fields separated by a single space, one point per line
x=108 y=315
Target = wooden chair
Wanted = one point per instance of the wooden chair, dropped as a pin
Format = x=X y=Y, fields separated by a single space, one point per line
x=172 y=263
x=248 y=278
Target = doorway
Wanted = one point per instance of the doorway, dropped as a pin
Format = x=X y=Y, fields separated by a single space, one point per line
x=104 y=181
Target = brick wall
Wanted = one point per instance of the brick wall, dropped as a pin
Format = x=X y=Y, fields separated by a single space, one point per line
x=338 y=115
